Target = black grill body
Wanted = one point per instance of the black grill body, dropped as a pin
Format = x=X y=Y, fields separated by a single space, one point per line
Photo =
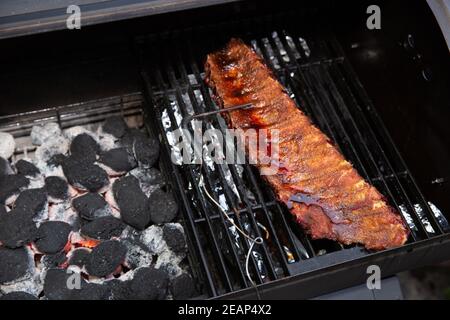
x=371 y=92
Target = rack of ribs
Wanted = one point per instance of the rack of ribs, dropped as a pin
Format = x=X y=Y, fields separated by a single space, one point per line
x=327 y=196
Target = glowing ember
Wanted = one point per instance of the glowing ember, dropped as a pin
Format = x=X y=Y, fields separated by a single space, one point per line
x=88 y=243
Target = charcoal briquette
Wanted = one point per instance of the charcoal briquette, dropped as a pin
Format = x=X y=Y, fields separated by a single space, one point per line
x=11 y=185
x=83 y=145
x=149 y=284
x=120 y=289
x=56 y=288
x=14 y=264
x=91 y=206
x=5 y=167
x=26 y=168
x=105 y=258
x=146 y=151
x=52 y=236
x=33 y=201
x=103 y=228
x=162 y=207
x=84 y=175
x=18 y=295
x=55 y=285
x=132 y=202
x=57 y=188
x=78 y=257
x=119 y=160
x=130 y=137
x=56 y=160
x=174 y=236
x=54 y=260
x=115 y=126
x=183 y=287
x=16 y=228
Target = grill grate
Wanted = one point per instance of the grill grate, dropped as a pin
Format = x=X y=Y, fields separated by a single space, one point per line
x=320 y=79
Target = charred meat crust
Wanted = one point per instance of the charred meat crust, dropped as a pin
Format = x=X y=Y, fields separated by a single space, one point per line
x=341 y=206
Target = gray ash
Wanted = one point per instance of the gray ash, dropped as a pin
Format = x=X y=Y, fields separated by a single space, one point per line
x=78 y=257
x=52 y=236
x=132 y=202
x=26 y=168
x=138 y=254
x=150 y=179
x=170 y=263
x=174 y=236
x=104 y=228
x=91 y=206
x=105 y=258
x=83 y=145
x=7 y=145
x=16 y=228
x=57 y=188
x=33 y=201
x=119 y=160
x=115 y=126
x=63 y=212
x=84 y=175
x=152 y=238
x=5 y=167
x=162 y=207
x=18 y=295
x=43 y=132
x=55 y=260
x=11 y=185
x=51 y=147
x=183 y=287
x=14 y=264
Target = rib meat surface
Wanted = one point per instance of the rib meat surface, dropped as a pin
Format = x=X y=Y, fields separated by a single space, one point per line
x=323 y=191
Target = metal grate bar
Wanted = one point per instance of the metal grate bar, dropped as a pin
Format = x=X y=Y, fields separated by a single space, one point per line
x=192 y=176
x=190 y=215
x=207 y=180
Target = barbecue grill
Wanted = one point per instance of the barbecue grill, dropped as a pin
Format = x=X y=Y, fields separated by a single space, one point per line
x=331 y=72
